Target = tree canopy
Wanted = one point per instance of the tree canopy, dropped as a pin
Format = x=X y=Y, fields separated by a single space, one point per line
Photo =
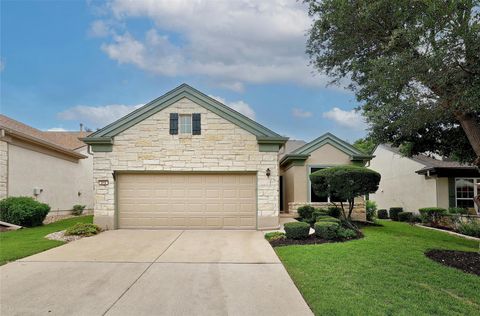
x=414 y=66
x=366 y=145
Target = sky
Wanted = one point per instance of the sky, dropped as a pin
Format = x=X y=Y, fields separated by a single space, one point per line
x=63 y=63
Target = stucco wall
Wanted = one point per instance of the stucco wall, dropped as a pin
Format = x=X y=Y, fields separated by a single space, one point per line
x=222 y=146
x=400 y=185
x=442 y=193
x=3 y=169
x=60 y=179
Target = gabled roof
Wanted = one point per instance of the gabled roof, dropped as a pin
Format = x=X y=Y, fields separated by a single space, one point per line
x=302 y=153
x=183 y=91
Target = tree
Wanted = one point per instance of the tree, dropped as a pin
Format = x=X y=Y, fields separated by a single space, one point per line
x=365 y=145
x=414 y=66
x=345 y=183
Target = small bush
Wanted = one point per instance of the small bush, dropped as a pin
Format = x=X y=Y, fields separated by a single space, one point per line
x=470 y=228
x=320 y=212
x=370 y=207
x=405 y=216
x=382 y=214
x=416 y=218
x=83 y=229
x=334 y=211
x=393 y=212
x=78 y=209
x=274 y=236
x=346 y=233
x=432 y=215
x=328 y=219
x=458 y=210
x=23 y=211
x=305 y=211
x=326 y=230
x=297 y=230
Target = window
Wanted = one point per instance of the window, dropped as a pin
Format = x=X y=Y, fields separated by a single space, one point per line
x=322 y=198
x=185 y=124
x=465 y=191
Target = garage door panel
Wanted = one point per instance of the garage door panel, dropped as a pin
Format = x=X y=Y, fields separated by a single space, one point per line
x=183 y=201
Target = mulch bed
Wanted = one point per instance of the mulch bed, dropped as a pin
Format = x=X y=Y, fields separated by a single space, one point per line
x=311 y=240
x=468 y=262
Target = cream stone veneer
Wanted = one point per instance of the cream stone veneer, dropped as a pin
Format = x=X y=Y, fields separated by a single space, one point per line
x=3 y=169
x=221 y=147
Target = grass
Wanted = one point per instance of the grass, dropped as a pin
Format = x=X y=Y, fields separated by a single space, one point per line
x=385 y=273
x=29 y=241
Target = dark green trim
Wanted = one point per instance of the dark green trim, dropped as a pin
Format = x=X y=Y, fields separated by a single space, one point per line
x=101 y=148
x=184 y=91
x=97 y=140
x=451 y=192
x=269 y=147
x=293 y=160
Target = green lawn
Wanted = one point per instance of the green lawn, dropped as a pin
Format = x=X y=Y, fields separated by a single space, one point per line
x=384 y=273
x=28 y=241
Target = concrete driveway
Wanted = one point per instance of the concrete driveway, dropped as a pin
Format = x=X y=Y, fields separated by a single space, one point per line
x=153 y=272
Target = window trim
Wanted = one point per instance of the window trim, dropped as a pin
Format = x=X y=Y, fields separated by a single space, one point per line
x=476 y=191
x=182 y=125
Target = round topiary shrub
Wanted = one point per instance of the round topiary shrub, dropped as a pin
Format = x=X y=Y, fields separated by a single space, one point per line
x=382 y=214
x=432 y=215
x=328 y=219
x=82 y=229
x=326 y=230
x=393 y=212
x=305 y=211
x=405 y=216
x=23 y=211
x=297 y=230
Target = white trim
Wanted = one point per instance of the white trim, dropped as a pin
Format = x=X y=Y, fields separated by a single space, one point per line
x=476 y=184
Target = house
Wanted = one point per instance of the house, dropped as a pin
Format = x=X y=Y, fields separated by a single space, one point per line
x=53 y=167
x=423 y=181
x=299 y=159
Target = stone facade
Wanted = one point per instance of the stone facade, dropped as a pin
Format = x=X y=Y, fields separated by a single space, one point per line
x=221 y=147
x=3 y=169
x=358 y=214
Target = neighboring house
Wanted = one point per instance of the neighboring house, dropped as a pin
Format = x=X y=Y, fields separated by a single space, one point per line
x=423 y=181
x=299 y=159
x=53 y=167
x=186 y=161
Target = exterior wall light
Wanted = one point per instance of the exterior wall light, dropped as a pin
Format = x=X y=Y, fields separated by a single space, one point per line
x=268 y=172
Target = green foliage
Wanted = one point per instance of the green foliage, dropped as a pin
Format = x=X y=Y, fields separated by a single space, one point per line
x=271 y=236
x=382 y=214
x=345 y=182
x=432 y=215
x=457 y=210
x=371 y=207
x=366 y=145
x=327 y=218
x=393 y=213
x=305 y=211
x=83 y=229
x=23 y=211
x=470 y=228
x=414 y=66
x=405 y=216
x=334 y=211
x=346 y=233
x=326 y=230
x=297 y=230
x=78 y=209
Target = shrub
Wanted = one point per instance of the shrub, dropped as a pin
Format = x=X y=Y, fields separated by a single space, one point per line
x=416 y=218
x=274 y=236
x=78 y=209
x=346 y=233
x=382 y=214
x=470 y=228
x=370 y=207
x=393 y=212
x=319 y=213
x=326 y=230
x=305 y=211
x=23 y=211
x=432 y=215
x=405 y=216
x=328 y=219
x=83 y=229
x=297 y=230
x=458 y=210
x=334 y=211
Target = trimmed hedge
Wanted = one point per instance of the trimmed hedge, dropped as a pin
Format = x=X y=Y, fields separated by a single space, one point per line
x=82 y=229
x=326 y=230
x=297 y=230
x=23 y=211
x=432 y=214
x=393 y=212
x=305 y=211
x=334 y=211
x=271 y=236
x=346 y=233
x=328 y=219
x=382 y=214
x=458 y=210
x=78 y=209
x=405 y=216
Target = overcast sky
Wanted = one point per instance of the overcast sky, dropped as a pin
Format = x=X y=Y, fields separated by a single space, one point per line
x=70 y=62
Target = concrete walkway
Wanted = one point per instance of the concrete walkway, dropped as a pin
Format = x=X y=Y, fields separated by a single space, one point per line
x=153 y=272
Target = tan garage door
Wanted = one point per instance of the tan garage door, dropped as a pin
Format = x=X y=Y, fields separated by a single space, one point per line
x=187 y=201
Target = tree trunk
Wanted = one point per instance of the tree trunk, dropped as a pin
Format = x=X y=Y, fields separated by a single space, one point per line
x=471 y=128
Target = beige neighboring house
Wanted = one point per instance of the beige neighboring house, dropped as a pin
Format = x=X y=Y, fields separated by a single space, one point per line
x=299 y=159
x=52 y=167
x=423 y=181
